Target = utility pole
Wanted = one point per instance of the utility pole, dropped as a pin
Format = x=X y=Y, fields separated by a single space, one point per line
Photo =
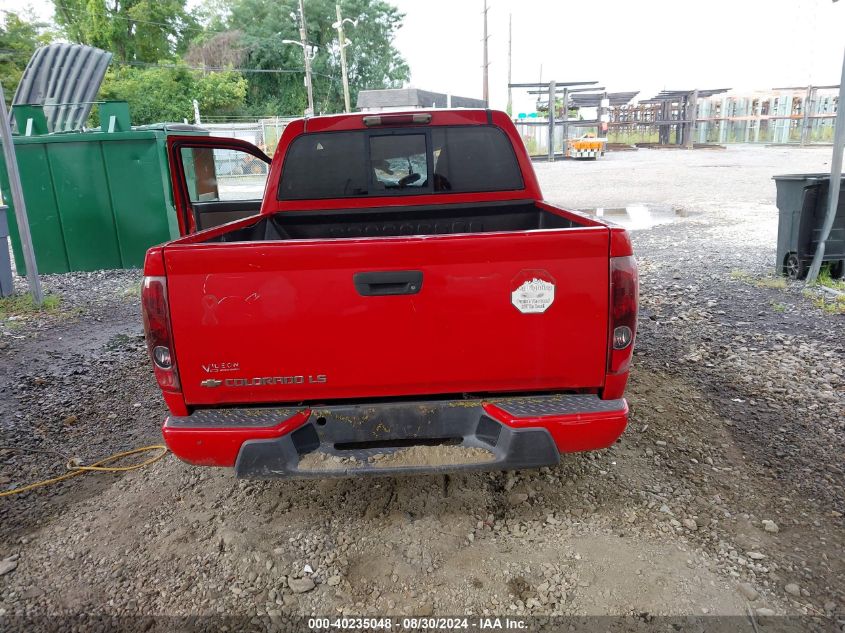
x=690 y=112
x=805 y=114
x=486 y=90
x=510 y=41
x=342 y=39
x=19 y=203
x=552 y=92
x=303 y=37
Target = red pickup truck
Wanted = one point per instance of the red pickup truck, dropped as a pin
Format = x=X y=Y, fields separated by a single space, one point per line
x=400 y=300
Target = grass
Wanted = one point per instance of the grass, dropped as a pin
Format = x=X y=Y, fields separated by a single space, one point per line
x=830 y=305
x=631 y=137
x=777 y=283
x=132 y=291
x=531 y=145
x=828 y=302
x=824 y=279
x=741 y=275
x=773 y=283
x=23 y=305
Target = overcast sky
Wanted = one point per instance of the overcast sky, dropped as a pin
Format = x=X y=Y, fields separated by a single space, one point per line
x=626 y=45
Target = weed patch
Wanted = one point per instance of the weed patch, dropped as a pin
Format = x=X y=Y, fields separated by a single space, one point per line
x=23 y=305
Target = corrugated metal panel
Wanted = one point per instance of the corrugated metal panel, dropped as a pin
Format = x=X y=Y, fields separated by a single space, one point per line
x=412 y=98
x=67 y=75
x=387 y=98
x=593 y=99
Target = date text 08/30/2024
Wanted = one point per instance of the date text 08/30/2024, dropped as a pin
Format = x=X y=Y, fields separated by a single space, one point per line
x=418 y=623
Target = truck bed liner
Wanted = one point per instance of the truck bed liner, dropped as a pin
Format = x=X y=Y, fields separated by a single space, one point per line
x=387 y=222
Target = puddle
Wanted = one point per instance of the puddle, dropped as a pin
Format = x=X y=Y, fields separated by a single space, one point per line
x=636 y=217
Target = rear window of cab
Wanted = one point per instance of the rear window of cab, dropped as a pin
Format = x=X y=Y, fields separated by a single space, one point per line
x=388 y=162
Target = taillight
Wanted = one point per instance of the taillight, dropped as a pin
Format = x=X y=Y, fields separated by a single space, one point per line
x=157 y=332
x=375 y=120
x=623 y=312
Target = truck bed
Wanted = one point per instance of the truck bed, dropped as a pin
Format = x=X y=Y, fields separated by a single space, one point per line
x=387 y=222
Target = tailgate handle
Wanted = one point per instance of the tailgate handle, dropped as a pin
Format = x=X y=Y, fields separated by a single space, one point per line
x=391 y=282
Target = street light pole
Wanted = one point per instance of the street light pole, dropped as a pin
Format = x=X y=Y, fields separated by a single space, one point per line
x=485 y=87
x=342 y=39
x=510 y=40
x=303 y=38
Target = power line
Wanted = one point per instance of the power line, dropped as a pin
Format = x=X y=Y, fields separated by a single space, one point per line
x=114 y=16
x=278 y=71
x=213 y=69
x=218 y=69
x=197 y=27
x=204 y=68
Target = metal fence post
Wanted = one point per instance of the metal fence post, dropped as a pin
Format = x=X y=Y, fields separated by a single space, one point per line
x=18 y=202
x=7 y=285
x=565 y=127
x=835 y=180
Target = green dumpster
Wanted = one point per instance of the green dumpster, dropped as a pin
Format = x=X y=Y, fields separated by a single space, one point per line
x=96 y=199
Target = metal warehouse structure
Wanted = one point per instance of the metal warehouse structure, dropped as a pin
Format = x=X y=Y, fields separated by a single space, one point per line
x=567 y=96
x=796 y=115
x=679 y=118
x=677 y=109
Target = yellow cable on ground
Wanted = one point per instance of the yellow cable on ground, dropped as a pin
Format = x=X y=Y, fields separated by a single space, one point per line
x=96 y=467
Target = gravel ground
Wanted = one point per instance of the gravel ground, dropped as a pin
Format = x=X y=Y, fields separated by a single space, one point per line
x=724 y=496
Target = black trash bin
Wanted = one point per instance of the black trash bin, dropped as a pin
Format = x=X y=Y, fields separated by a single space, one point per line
x=802 y=206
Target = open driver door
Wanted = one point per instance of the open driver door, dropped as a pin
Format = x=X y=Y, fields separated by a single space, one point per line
x=215 y=180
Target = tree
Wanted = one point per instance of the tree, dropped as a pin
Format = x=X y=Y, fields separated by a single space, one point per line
x=372 y=59
x=543 y=107
x=212 y=15
x=20 y=35
x=219 y=50
x=134 y=30
x=166 y=93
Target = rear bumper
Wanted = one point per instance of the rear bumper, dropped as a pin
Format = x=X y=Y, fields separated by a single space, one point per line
x=396 y=437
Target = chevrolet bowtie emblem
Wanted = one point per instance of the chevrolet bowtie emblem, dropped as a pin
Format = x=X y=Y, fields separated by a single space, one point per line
x=211 y=382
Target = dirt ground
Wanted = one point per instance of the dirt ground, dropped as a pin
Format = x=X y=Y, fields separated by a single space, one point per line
x=725 y=496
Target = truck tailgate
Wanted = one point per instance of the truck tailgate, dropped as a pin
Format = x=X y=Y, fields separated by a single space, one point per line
x=284 y=321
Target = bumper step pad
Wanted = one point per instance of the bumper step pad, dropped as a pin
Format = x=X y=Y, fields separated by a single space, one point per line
x=263 y=417
x=570 y=404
